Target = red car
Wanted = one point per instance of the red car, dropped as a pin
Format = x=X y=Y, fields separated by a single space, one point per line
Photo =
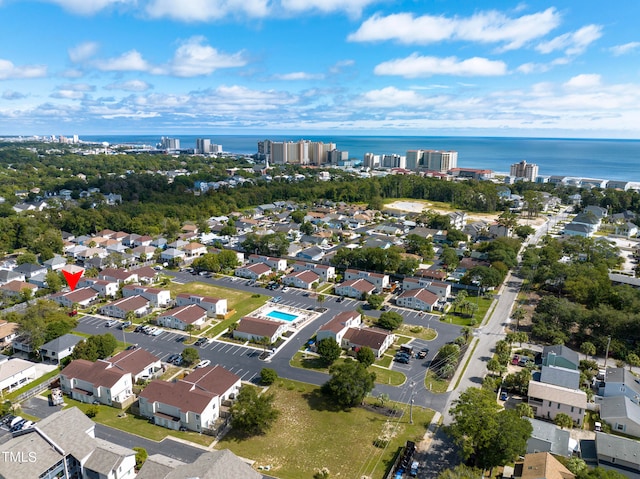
x=515 y=359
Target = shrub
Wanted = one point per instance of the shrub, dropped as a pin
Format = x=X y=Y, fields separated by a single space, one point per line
x=268 y=376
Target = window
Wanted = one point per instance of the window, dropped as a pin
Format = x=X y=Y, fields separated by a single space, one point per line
x=571 y=408
x=620 y=427
x=550 y=403
x=558 y=405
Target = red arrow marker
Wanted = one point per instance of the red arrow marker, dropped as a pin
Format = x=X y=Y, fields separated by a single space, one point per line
x=72 y=278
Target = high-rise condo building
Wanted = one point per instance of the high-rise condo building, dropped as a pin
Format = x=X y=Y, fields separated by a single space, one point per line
x=529 y=171
x=203 y=145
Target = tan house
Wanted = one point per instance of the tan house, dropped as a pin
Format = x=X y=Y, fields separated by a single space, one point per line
x=119 y=309
x=7 y=333
x=548 y=400
x=15 y=288
x=355 y=288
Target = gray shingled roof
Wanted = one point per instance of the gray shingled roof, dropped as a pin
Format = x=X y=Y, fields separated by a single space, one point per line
x=63 y=342
x=618 y=447
x=550 y=433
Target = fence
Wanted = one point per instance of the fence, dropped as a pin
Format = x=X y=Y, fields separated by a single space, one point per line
x=36 y=389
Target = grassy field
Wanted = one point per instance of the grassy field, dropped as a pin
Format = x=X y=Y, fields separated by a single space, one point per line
x=310 y=434
x=383 y=375
x=434 y=384
x=418 y=332
x=464 y=319
x=240 y=302
x=135 y=425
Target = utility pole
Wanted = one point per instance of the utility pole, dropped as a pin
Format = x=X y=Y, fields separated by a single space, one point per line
x=411 y=385
x=606 y=355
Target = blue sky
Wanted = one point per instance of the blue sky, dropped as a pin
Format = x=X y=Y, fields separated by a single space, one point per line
x=492 y=68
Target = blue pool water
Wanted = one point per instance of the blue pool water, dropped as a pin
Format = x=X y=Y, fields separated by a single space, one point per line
x=281 y=316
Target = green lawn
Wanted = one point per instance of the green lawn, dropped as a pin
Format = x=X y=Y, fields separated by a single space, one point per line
x=385 y=361
x=418 y=332
x=136 y=425
x=240 y=302
x=383 y=376
x=464 y=319
x=434 y=383
x=310 y=434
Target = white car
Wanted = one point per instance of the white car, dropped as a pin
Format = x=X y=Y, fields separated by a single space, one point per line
x=203 y=364
x=285 y=289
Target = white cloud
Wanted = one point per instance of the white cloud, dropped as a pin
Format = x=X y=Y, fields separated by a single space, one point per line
x=573 y=43
x=340 y=66
x=415 y=66
x=353 y=7
x=299 y=76
x=206 y=10
x=483 y=27
x=532 y=67
x=392 y=97
x=83 y=52
x=586 y=80
x=88 y=7
x=10 y=71
x=129 y=61
x=132 y=85
x=193 y=58
x=625 y=48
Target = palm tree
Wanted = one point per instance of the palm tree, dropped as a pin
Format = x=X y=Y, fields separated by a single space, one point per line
x=189 y=328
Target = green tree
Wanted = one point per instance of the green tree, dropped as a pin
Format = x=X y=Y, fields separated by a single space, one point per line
x=141 y=456
x=524 y=231
x=460 y=472
x=307 y=228
x=449 y=258
x=389 y=320
x=482 y=429
x=96 y=347
x=54 y=282
x=189 y=328
x=25 y=258
x=375 y=300
x=349 y=384
x=524 y=410
x=419 y=245
x=297 y=216
x=329 y=350
x=563 y=420
x=190 y=356
x=365 y=356
x=252 y=413
x=268 y=376
x=588 y=349
x=633 y=360
x=494 y=366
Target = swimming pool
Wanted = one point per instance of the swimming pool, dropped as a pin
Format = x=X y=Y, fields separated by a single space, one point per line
x=282 y=316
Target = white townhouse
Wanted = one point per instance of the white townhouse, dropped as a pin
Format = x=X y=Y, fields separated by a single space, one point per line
x=442 y=290
x=326 y=272
x=255 y=329
x=420 y=299
x=337 y=326
x=216 y=307
x=355 y=288
x=105 y=288
x=301 y=279
x=15 y=373
x=193 y=402
x=181 y=316
x=83 y=297
x=379 y=340
x=158 y=298
x=119 y=309
x=194 y=250
x=253 y=271
x=277 y=264
x=101 y=381
x=120 y=276
x=380 y=281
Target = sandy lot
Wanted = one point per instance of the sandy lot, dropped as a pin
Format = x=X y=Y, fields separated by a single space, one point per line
x=417 y=206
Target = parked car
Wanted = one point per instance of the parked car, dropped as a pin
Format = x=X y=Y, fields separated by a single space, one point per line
x=157 y=332
x=126 y=324
x=402 y=359
x=203 y=364
x=515 y=359
x=423 y=353
x=110 y=323
x=178 y=361
x=172 y=358
x=201 y=342
x=277 y=299
x=285 y=289
x=340 y=299
x=181 y=339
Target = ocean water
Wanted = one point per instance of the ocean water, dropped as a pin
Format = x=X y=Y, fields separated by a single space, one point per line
x=586 y=158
